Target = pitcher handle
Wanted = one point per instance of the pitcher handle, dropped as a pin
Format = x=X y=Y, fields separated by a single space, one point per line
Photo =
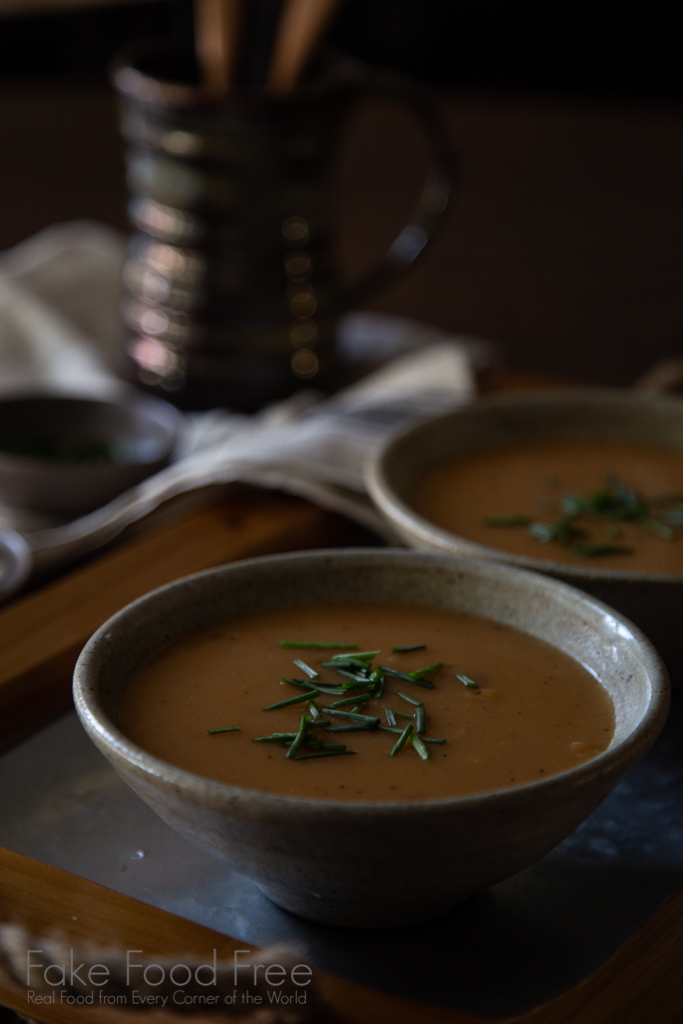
x=437 y=191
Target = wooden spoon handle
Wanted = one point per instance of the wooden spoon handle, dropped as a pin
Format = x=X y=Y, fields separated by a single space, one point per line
x=216 y=31
x=301 y=25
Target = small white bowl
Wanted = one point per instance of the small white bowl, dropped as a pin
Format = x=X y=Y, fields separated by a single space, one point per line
x=140 y=430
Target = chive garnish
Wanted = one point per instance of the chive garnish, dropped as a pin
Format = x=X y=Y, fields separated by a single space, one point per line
x=322 y=753
x=349 y=700
x=352 y=728
x=420 y=673
x=405 y=735
x=425 y=739
x=402 y=714
x=303 y=684
x=228 y=728
x=357 y=655
x=354 y=716
x=596 y=550
x=469 y=683
x=377 y=679
x=411 y=647
x=313 y=711
x=304 y=726
x=513 y=520
x=313 y=645
x=420 y=720
x=545 y=532
x=293 y=700
x=361 y=680
x=420 y=747
x=391 y=719
x=660 y=529
x=395 y=674
x=310 y=672
x=274 y=737
x=430 y=739
x=411 y=700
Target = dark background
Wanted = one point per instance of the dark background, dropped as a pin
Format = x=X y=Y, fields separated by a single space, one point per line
x=571 y=48
x=565 y=244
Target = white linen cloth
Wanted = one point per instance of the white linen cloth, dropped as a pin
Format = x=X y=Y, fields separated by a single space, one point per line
x=60 y=331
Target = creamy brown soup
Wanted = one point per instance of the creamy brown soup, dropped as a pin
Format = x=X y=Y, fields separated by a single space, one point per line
x=532 y=479
x=534 y=711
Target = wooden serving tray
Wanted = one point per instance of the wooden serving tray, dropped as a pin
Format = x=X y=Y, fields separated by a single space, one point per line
x=40 y=637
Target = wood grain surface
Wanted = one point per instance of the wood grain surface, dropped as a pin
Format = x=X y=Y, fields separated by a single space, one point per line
x=641 y=984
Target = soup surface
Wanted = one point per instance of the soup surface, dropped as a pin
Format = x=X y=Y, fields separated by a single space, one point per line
x=622 y=502
x=523 y=710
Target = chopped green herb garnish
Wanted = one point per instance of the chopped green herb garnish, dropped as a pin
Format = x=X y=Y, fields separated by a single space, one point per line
x=310 y=672
x=358 y=727
x=420 y=747
x=613 y=532
x=470 y=683
x=402 y=714
x=349 y=700
x=512 y=520
x=420 y=720
x=303 y=684
x=420 y=673
x=301 y=735
x=314 y=645
x=274 y=737
x=545 y=532
x=430 y=739
x=361 y=680
x=403 y=738
x=395 y=674
x=411 y=700
x=313 y=711
x=406 y=650
x=391 y=719
x=322 y=753
x=359 y=656
x=353 y=716
x=672 y=516
x=293 y=700
x=228 y=728
x=660 y=529
x=596 y=550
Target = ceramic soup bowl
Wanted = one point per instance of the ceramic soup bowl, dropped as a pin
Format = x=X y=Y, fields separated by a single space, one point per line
x=342 y=863
x=650 y=599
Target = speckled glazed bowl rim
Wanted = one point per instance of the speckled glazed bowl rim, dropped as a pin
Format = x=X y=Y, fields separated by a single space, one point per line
x=256 y=803
x=399 y=513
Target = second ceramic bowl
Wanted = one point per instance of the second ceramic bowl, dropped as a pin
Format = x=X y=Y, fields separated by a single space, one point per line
x=343 y=863
x=650 y=599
